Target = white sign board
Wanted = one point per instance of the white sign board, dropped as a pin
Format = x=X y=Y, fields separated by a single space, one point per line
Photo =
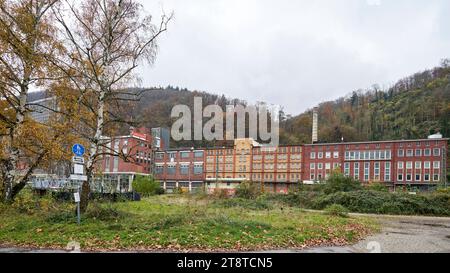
x=78 y=177
x=78 y=159
x=78 y=169
x=76 y=196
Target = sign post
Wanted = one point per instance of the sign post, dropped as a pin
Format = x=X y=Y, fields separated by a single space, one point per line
x=77 y=200
x=78 y=171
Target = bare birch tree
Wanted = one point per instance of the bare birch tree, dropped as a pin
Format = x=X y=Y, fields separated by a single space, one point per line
x=107 y=41
x=26 y=40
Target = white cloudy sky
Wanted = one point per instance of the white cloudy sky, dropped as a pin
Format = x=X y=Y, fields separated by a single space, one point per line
x=296 y=53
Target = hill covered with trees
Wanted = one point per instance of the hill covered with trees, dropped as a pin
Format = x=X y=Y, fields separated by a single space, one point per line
x=414 y=107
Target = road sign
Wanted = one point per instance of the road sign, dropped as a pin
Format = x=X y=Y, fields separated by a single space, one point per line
x=76 y=196
x=78 y=149
x=78 y=177
x=78 y=159
x=78 y=169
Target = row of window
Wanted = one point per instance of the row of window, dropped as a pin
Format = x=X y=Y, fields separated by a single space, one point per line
x=184 y=154
x=320 y=166
x=368 y=155
x=321 y=155
x=418 y=152
x=280 y=177
x=183 y=169
x=418 y=165
x=418 y=177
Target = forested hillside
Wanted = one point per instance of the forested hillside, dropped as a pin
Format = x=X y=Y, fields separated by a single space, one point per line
x=414 y=107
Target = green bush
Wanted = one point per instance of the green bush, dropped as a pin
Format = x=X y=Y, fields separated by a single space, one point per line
x=248 y=190
x=337 y=182
x=336 y=210
x=377 y=186
x=387 y=203
x=104 y=212
x=146 y=186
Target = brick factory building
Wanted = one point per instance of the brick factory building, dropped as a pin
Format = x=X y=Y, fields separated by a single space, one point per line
x=419 y=163
x=180 y=168
x=113 y=173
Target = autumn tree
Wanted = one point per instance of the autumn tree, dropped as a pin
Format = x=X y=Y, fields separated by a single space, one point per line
x=27 y=41
x=107 y=40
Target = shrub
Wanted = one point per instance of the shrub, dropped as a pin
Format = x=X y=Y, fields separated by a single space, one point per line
x=336 y=210
x=104 y=212
x=387 y=203
x=146 y=185
x=337 y=182
x=377 y=186
x=248 y=190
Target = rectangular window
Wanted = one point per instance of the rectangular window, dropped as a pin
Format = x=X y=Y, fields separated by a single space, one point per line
x=366 y=171
x=401 y=153
x=435 y=177
x=418 y=165
x=427 y=165
x=400 y=165
x=159 y=155
x=418 y=152
x=198 y=168
x=328 y=166
x=328 y=154
x=408 y=177
x=377 y=171
x=184 y=154
x=116 y=164
x=184 y=169
x=347 y=169
x=427 y=152
x=409 y=165
x=311 y=176
x=319 y=166
x=198 y=154
x=400 y=177
x=320 y=155
x=409 y=153
x=159 y=169
x=388 y=154
x=436 y=152
x=426 y=177
x=417 y=178
x=356 y=170
x=336 y=155
x=387 y=171
x=436 y=164
x=313 y=155
x=171 y=169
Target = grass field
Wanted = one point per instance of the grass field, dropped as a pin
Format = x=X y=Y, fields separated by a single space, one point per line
x=177 y=223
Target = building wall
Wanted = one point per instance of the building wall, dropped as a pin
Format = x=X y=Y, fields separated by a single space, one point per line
x=183 y=168
x=406 y=162
x=282 y=168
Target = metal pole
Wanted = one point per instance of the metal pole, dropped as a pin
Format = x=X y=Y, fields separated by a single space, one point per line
x=78 y=206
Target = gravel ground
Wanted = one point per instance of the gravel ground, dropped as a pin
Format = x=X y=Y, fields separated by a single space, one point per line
x=399 y=234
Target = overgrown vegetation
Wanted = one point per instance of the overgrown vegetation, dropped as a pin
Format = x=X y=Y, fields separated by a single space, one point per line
x=180 y=222
x=146 y=186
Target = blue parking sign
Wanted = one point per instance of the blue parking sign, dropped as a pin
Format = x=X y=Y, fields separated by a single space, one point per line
x=78 y=149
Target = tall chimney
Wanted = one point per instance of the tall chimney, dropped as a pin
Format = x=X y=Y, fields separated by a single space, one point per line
x=315 y=125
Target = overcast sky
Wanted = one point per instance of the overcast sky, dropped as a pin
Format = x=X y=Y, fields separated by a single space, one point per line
x=296 y=53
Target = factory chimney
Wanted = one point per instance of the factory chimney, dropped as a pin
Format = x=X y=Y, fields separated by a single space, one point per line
x=315 y=125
